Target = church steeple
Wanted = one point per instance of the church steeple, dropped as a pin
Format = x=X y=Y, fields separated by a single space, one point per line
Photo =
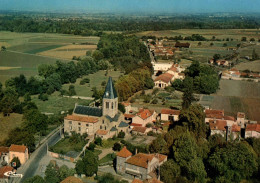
x=110 y=100
x=110 y=92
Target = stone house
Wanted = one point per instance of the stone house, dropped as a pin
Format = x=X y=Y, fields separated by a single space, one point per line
x=144 y=117
x=19 y=151
x=241 y=119
x=142 y=166
x=212 y=114
x=218 y=127
x=164 y=80
x=103 y=122
x=139 y=130
x=170 y=115
x=252 y=130
x=4 y=155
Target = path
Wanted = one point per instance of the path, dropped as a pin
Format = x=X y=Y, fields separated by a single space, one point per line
x=105 y=152
x=79 y=97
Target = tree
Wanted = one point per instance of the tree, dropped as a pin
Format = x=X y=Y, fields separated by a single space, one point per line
x=46 y=70
x=35 y=121
x=91 y=146
x=121 y=134
x=193 y=70
x=158 y=145
x=90 y=161
x=54 y=81
x=187 y=96
x=3 y=48
x=169 y=171
x=216 y=57
x=194 y=118
x=65 y=172
x=199 y=43
x=252 y=39
x=243 y=39
x=16 y=160
x=80 y=167
x=72 y=91
x=97 y=55
x=121 y=107
x=98 y=141
x=51 y=173
x=35 y=179
x=27 y=97
x=233 y=162
x=9 y=101
x=117 y=146
x=225 y=45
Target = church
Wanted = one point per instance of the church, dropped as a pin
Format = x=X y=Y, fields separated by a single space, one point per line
x=102 y=122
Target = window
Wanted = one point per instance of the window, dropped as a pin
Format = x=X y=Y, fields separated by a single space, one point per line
x=112 y=105
x=103 y=121
x=105 y=128
x=70 y=122
x=79 y=124
x=79 y=129
x=115 y=105
x=100 y=127
x=70 y=127
x=87 y=125
x=107 y=105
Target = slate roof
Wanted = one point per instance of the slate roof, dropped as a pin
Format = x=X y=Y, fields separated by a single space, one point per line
x=86 y=110
x=113 y=129
x=115 y=118
x=123 y=124
x=110 y=91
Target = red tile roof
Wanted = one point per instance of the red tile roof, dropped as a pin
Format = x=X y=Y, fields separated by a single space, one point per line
x=170 y=111
x=125 y=104
x=137 y=181
x=152 y=180
x=139 y=129
x=166 y=77
x=17 y=148
x=213 y=111
x=101 y=132
x=124 y=153
x=142 y=159
x=253 y=127
x=145 y=113
x=218 y=125
x=72 y=179
x=235 y=128
x=174 y=69
x=82 y=118
x=231 y=118
x=5 y=169
x=135 y=124
x=129 y=115
x=4 y=149
x=167 y=123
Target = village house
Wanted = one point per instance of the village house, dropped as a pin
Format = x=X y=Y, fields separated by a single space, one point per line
x=3 y=170
x=170 y=115
x=212 y=114
x=19 y=151
x=144 y=117
x=4 y=155
x=72 y=179
x=164 y=80
x=241 y=119
x=162 y=67
x=252 y=130
x=139 y=130
x=218 y=127
x=142 y=166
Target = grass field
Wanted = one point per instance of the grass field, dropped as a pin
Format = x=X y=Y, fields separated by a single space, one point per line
x=8 y=123
x=95 y=81
x=236 y=96
x=68 y=51
x=55 y=104
x=23 y=51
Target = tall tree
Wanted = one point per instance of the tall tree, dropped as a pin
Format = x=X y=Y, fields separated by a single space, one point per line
x=9 y=101
x=169 y=171
x=187 y=96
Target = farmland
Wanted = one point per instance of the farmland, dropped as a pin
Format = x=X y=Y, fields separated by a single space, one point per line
x=236 y=96
x=25 y=51
x=251 y=65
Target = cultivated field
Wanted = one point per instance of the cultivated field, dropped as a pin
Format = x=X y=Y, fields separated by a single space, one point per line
x=68 y=51
x=250 y=65
x=25 y=51
x=236 y=96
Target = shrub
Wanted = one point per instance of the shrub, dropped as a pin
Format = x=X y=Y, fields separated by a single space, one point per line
x=43 y=97
x=121 y=134
x=117 y=146
x=154 y=101
x=98 y=141
x=91 y=146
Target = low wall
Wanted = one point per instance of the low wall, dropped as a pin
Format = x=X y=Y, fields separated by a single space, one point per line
x=60 y=156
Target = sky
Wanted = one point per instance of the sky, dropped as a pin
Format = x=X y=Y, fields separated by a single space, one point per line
x=130 y=6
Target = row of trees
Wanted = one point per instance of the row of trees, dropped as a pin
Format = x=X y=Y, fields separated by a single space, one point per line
x=194 y=156
x=95 y=26
x=200 y=78
x=133 y=82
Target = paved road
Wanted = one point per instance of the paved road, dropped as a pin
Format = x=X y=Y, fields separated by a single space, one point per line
x=29 y=169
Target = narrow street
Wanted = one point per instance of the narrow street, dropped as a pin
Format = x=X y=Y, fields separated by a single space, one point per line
x=29 y=169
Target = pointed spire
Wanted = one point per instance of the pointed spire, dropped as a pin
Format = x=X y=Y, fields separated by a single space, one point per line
x=110 y=91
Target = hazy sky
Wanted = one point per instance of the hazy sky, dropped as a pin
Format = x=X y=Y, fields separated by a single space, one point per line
x=169 y=6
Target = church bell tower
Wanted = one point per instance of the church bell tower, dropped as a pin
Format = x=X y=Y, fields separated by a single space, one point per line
x=110 y=100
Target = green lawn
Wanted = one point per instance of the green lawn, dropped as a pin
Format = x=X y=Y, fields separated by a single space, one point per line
x=64 y=146
x=107 y=159
x=95 y=81
x=109 y=143
x=56 y=104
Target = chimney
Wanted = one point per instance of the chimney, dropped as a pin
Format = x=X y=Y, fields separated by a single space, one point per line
x=135 y=150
